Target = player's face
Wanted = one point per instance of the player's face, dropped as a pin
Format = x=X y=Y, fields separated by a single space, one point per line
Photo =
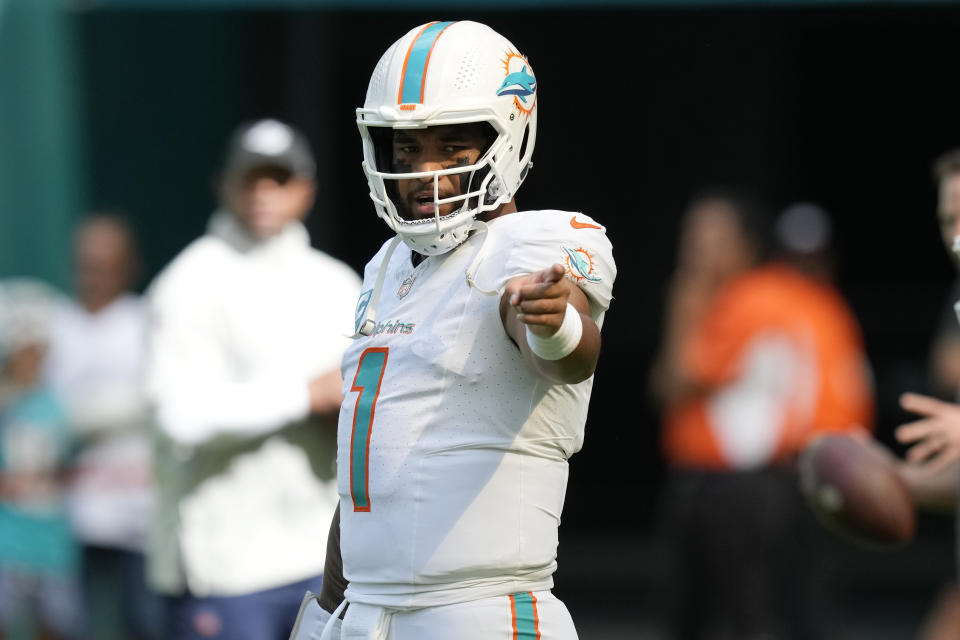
x=266 y=199
x=948 y=209
x=432 y=149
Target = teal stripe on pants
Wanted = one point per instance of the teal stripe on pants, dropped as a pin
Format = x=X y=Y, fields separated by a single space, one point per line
x=525 y=609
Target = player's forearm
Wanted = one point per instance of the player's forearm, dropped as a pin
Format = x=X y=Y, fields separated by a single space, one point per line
x=549 y=320
x=334 y=584
x=575 y=367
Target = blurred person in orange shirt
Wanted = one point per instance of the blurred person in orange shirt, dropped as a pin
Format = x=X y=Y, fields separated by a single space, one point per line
x=758 y=358
x=39 y=558
x=95 y=366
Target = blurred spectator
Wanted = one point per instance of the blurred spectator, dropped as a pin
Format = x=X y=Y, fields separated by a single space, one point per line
x=804 y=237
x=933 y=481
x=757 y=358
x=39 y=592
x=247 y=327
x=96 y=368
x=945 y=352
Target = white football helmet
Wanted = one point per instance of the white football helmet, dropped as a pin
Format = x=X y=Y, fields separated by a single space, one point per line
x=444 y=73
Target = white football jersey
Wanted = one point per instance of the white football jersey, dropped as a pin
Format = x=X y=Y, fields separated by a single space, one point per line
x=452 y=453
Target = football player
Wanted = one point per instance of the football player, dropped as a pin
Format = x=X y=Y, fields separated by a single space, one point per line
x=932 y=467
x=478 y=331
x=935 y=437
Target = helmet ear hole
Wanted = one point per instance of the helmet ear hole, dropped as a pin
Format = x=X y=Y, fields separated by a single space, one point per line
x=490 y=136
x=523 y=143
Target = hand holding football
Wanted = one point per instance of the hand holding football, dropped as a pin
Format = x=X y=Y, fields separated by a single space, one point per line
x=853 y=487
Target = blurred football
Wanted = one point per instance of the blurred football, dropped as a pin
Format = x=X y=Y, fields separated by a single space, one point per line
x=854 y=490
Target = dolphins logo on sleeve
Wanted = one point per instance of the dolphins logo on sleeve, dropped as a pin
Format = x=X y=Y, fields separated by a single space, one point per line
x=580 y=265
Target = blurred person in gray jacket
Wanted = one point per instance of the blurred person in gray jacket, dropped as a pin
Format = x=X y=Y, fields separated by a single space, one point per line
x=247 y=328
x=95 y=367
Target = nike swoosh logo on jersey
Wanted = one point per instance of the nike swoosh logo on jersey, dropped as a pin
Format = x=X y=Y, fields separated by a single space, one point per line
x=582 y=225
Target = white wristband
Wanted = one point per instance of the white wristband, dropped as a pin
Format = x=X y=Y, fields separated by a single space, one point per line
x=563 y=342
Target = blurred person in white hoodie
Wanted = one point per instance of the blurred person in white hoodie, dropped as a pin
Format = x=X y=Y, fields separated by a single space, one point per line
x=247 y=327
x=95 y=366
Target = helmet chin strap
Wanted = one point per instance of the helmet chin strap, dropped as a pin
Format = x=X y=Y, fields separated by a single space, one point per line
x=369 y=322
x=480 y=227
x=491 y=194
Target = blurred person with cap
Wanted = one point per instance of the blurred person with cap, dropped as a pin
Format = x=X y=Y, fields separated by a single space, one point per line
x=247 y=326
x=757 y=359
x=95 y=366
x=39 y=590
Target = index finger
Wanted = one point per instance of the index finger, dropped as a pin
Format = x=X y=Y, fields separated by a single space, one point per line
x=553 y=273
x=924 y=405
x=913 y=431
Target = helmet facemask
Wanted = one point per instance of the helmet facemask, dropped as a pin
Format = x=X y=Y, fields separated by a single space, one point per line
x=481 y=190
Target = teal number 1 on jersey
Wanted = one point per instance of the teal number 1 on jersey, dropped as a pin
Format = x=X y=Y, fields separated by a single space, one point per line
x=366 y=383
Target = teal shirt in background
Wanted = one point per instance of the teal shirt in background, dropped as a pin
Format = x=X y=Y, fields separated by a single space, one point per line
x=35 y=439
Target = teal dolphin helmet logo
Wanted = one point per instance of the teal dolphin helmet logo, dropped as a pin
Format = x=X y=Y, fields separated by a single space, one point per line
x=519 y=83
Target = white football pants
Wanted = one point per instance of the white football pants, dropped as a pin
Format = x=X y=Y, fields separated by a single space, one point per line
x=522 y=616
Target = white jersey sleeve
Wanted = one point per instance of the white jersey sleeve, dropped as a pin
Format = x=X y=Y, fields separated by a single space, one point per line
x=574 y=240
